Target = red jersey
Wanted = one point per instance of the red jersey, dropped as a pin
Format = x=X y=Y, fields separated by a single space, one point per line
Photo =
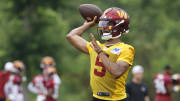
x=13 y=88
x=50 y=86
x=161 y=82
x=50 y=99
x=4 y=77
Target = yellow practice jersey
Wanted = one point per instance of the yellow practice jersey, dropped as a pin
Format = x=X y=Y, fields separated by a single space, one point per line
x=103 y=85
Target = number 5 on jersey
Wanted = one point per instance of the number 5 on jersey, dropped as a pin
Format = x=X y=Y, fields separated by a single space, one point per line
x=100 y=65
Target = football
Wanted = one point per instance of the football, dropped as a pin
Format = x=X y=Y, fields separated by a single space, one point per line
x=89 y=11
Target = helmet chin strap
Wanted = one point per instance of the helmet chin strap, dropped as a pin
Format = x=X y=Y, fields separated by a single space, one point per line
x=108 y=36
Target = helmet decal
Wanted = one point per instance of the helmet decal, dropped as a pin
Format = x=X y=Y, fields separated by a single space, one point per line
x=122 y=14
x=125 y=15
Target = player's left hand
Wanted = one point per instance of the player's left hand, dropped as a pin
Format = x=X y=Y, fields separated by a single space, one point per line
x=94 y=44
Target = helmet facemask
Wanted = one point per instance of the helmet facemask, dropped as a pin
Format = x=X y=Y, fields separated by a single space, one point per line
x=108 y=29
x=105 y=30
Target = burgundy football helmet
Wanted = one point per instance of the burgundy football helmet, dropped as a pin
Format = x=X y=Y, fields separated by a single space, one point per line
x=47 y=61
x=19 y=66
x=113 y=23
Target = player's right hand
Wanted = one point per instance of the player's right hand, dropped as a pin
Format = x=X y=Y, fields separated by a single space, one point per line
x=91 y=23
x=94 y=44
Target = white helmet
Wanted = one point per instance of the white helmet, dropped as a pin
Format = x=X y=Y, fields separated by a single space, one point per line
x=9 y=66
x=137 y=69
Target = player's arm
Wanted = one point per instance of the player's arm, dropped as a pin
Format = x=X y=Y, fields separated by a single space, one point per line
x=56 y=86
x=117 y=69
x=146 y=94
x=32 y=88
x=74 y=37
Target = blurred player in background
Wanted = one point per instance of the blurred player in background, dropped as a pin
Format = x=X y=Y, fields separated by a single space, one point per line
x=136 y=89
x=163 y=85
x=4 y=77
x=13 y=87
x=37 y=85
x=111 y=61
x=176 y=82
x=51 y=84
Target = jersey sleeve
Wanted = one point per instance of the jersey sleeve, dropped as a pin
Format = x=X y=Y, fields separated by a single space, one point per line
x=127 y=54
x=88 y=45
x=32 y=88
x=57 y=79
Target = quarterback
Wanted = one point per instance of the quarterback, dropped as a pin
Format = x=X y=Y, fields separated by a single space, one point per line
x=110 y=61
